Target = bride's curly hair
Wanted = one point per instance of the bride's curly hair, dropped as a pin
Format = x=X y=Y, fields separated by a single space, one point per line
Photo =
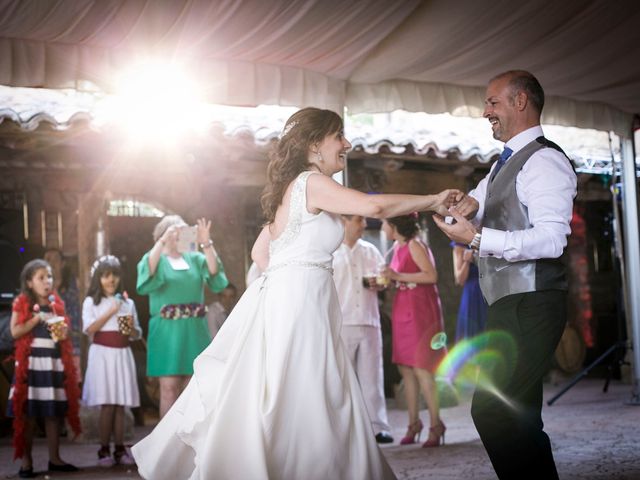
x=290 y=156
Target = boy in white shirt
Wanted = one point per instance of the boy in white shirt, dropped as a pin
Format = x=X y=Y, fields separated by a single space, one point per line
x=219 y=310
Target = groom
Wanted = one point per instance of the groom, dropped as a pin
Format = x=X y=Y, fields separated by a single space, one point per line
x=522 y=212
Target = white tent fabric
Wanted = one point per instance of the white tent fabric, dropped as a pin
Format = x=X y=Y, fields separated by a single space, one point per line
x=367 y=55
x=469 y=102
x=297 y=52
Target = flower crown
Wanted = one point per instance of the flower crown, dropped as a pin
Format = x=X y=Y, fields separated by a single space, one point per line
x=102 y=259
x=287 y=129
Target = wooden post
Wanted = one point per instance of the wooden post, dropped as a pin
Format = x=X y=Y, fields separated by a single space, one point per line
x=91 y=208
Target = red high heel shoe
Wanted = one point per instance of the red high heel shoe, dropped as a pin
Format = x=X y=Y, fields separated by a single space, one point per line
x=435 y=434
x=413 y=433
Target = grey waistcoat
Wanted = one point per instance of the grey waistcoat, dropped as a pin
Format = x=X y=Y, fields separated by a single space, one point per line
x=504 y=211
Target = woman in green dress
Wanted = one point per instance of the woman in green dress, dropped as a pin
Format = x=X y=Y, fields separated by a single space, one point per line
x=175 y=282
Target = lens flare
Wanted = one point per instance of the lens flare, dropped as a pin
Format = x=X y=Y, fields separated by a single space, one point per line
x=439 y=341
x=485 y=361
x=156 y=102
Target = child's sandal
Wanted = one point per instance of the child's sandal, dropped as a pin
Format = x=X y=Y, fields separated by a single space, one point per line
x=122 y=456
x=104 y=457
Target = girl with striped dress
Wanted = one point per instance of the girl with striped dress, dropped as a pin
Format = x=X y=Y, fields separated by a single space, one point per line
x=46 y=380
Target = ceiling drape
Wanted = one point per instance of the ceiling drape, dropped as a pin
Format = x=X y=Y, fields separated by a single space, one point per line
x=368 y=55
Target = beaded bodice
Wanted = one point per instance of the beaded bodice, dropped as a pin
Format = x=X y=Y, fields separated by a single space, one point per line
x=307 y=237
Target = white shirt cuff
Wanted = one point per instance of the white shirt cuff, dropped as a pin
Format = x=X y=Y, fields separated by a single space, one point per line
x=492 y=243
x=477 y=220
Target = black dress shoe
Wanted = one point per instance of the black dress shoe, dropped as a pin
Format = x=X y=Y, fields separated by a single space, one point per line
x=27 y=473
x=65 y=467
x=384 y=437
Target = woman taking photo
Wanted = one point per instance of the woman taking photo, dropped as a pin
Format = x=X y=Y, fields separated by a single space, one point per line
x=175 y=281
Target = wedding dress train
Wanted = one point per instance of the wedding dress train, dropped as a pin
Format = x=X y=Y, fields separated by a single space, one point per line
x=274 y=396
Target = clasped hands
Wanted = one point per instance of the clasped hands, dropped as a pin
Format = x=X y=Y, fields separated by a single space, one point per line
x=461 y=207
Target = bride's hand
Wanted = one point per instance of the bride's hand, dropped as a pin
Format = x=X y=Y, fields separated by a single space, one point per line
x=445 y=199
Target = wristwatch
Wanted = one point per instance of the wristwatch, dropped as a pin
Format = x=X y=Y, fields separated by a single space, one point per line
x=475 y=243
x=205 y=245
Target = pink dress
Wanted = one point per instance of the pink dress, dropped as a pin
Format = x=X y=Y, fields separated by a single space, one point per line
x=416 y=317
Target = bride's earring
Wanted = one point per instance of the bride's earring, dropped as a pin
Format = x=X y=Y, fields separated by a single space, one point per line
x=319 y=158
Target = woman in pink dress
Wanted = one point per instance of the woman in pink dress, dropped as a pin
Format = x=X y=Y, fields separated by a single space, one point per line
x=416 y=324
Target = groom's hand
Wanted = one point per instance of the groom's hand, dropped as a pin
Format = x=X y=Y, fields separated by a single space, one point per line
x=461 y=231
x=466 y=205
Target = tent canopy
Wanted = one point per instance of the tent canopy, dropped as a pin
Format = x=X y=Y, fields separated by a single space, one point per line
x=368 y=55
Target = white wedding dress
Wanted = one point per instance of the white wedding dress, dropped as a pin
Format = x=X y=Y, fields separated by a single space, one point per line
x=274 y=395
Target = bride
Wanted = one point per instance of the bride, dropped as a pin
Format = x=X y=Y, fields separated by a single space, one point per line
x=274 y=395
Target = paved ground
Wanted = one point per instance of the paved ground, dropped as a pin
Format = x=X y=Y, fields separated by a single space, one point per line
x=594 y=436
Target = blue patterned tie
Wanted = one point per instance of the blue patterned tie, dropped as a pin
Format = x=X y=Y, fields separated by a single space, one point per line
x=504 y=156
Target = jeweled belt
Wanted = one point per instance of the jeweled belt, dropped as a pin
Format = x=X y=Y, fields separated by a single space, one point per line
x=183 y=310
x=297 y=263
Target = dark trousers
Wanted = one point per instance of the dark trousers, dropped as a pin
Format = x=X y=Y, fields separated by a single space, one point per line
x=508 y=418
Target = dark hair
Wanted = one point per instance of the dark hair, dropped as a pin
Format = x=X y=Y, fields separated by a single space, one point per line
x=406 y=225
x=106 y=265
x=523 y=81
x=28 y=271
x=231 y=286
x=68 y=276
x=66 y=271
x=289 y=158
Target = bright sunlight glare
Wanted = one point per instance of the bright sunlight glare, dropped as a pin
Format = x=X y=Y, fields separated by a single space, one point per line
x=156 y=102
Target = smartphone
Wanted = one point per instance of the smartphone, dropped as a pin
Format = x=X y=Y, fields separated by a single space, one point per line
x=187 y=239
